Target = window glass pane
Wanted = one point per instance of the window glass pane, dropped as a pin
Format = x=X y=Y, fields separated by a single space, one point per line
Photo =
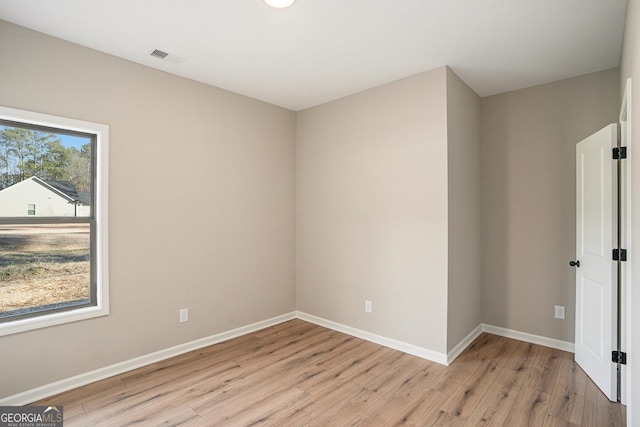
x=43 y=267
x=45 y=168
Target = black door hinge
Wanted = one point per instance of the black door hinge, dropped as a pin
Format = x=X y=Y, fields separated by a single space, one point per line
x=619 y=254
x=619 y=153
x=619 y=357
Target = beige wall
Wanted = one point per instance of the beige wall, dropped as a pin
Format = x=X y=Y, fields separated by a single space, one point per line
x=630 y=67
x=201 y=206
x=371 y=202
x=528 y=198
x=463 y=143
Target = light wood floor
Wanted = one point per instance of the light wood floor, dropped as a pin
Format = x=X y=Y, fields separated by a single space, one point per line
x=299 y=374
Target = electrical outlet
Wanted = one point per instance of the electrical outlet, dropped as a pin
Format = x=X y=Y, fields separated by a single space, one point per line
x=368 y=307
x=184 y=315
x=559 y=312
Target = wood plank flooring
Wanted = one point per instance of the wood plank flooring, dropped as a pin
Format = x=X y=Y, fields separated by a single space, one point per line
x=300 y=374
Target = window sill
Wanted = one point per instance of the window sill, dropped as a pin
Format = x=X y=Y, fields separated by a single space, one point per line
x=46 y=320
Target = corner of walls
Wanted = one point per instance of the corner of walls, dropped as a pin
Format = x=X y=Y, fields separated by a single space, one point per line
x=463 y=186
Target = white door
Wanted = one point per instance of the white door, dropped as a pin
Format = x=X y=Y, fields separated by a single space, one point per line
x=596 y=273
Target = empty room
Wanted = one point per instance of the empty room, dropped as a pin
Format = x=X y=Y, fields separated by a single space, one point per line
x=319 y=212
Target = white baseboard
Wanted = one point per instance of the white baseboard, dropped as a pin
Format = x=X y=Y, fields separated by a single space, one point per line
x=534 y=339
x=424 y=353
x=51 y=389
x=462 y=345
x=66 y=384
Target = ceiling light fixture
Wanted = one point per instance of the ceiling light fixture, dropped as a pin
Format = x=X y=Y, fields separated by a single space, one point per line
x=280 y=4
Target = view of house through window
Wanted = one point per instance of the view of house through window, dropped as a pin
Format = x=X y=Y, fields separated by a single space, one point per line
x=46 y=220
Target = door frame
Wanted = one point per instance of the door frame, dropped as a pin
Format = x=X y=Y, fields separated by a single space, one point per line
x=624 y=290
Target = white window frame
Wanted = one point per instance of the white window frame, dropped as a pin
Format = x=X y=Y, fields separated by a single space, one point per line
x=101 y=215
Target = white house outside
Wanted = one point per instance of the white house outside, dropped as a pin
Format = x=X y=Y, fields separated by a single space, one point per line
x=37 y=197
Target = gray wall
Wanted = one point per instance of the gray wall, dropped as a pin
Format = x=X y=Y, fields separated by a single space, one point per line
x=528 y=198
x=371 y=200
x=630 y=67
x=463 y=154
x=201 y=206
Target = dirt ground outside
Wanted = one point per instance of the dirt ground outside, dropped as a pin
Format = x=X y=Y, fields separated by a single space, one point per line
x=43 y=265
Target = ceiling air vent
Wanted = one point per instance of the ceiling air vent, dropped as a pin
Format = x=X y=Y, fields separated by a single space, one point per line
x=159 y=54
x=168 y=57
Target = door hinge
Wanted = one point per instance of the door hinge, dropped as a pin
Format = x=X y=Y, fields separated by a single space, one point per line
x=619 y=357
x=619 y=254
x=619 y=153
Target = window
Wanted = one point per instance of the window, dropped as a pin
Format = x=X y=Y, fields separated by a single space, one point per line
x=53 y=260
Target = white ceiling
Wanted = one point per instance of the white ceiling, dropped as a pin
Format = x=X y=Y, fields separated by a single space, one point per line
x=320 y=50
